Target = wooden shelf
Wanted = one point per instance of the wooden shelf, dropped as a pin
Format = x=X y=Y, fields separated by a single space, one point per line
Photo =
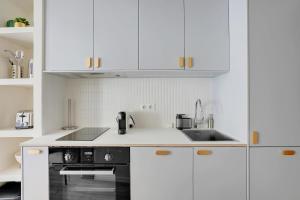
x=12 y=173
x=16 y=82
x=13 y=133
x=22 y=35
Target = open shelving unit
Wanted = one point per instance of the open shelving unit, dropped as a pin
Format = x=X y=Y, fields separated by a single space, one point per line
x=19 y=94
x=16 y=133
x=22 y=36
x=11 y=174
x=26 y=82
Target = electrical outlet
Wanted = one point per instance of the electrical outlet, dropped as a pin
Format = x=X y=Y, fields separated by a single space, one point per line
x=148 y=107
x=143 y=107
x=151 y=107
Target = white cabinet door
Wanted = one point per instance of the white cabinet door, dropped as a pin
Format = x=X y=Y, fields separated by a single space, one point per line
x=207 y=34
x=273 y=175
x=161 y=173
x=161 y=34
x=68 y=34
x=274 y=71
x=220 y=173
x=35 y=185
x=116 y=34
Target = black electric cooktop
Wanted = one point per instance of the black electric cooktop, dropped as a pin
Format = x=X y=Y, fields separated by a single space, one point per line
x=85 y=134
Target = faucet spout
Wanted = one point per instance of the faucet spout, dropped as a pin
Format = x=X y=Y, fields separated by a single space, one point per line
x=196 y=121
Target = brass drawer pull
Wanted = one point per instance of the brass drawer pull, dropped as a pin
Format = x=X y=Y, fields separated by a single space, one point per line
x=162 y=152
x=97 y=62
x=204 y=152
x=255 y=137
x=88 y=62
x=190 y=62
x=34 y=152
x=288 y=152
x=181 y=62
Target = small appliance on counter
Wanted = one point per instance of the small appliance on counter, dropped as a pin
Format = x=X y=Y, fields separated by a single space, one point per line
x=183 y=122
x=125 y=121
x=24 y=119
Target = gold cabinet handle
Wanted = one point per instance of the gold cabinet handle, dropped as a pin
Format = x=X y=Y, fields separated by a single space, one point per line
x=204 y=152
x=288 y=152
x=88 y=62
x=255 y=137
x=190 y=62
x=97 y=62
x=34 y=152
x=181 y=62
x=162 y=152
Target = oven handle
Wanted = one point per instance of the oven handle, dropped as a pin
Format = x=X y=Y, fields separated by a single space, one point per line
x=106 y=172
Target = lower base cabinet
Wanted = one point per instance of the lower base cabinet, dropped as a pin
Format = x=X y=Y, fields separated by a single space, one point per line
x=274 y=173
x=210 y=173
x=35 y=185
x=161 y=173
x=220 y=173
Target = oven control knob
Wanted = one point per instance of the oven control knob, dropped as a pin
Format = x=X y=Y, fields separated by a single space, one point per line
x=108 y=157
x=68 y=157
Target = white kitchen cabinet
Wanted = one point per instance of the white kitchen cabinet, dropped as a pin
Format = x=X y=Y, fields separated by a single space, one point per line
x=116 y=34
x=35 y=185
x=274 y=72
x=207 y=34
x=274 y=175
x=68 y=35
x=161 y=34
x=220 y=173
x=161 y=173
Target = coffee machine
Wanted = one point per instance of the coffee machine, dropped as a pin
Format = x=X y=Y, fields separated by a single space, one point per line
x=125 y=121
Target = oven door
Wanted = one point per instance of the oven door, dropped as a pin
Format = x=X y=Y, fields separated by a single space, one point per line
x=79 y=183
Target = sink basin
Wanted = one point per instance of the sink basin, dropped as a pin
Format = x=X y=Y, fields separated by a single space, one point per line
x=206 y=135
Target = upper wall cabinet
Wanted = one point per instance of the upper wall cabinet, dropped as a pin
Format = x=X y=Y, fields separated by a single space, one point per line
x=131 y=35
x=207 y=34
x=116 y=34
x=68 y=35
x=274 y=72
x=161 y=31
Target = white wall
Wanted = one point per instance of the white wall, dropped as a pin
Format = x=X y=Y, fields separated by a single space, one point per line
x=10 y=9
x=54 y=93
x=97 y=101
x=231 y=90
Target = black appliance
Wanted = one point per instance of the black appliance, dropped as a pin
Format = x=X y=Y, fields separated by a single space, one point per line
x=100 y=173
x=122 y=122
x=183 y=122
x=10 y=191
x=85 y=134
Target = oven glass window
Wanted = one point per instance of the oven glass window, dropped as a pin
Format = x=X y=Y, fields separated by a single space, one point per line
x=82 y=183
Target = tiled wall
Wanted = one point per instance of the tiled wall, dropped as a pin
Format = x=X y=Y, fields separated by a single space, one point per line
x=97 y=101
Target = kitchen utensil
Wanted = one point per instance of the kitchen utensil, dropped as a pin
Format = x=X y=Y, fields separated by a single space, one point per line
x=30 y=68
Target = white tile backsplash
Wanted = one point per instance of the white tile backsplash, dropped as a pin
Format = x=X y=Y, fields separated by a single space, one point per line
x=97 y=101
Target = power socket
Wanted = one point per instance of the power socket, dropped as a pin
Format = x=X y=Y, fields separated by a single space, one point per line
x=148 y=107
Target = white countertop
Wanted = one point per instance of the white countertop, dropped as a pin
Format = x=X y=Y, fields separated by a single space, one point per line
x=133 y=137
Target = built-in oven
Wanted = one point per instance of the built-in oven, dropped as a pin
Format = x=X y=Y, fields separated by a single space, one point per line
x=101 y=173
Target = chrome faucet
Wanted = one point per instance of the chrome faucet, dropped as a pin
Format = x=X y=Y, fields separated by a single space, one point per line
x=200 y=121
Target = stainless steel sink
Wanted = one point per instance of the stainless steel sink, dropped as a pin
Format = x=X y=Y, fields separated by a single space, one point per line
x=205 y=135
